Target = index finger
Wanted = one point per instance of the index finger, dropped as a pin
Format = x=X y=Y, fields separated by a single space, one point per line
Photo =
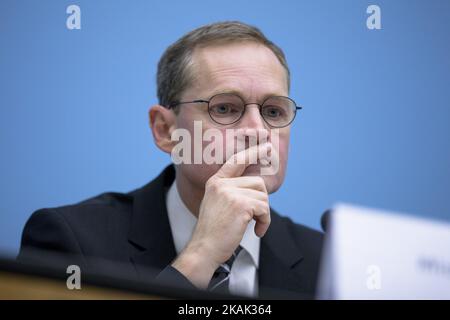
x=237 y=163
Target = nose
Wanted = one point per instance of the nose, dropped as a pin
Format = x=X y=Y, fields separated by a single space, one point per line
x=256 y=130
x=252 y=118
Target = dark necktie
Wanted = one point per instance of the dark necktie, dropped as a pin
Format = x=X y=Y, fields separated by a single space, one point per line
x=221 y=277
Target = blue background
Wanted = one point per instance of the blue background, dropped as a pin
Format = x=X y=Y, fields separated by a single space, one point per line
x=374 y=130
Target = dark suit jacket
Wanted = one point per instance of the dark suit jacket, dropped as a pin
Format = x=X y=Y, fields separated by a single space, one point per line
x=133 y=229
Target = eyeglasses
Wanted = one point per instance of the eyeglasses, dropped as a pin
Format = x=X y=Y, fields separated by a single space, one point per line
x=228 y=108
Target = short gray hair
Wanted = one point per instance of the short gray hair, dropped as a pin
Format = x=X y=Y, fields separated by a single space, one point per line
x=174 y=73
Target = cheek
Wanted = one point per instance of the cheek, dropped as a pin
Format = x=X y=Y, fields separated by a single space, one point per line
x=280 y=141
x=197 y=174
x=283 y=149
x=274 y=182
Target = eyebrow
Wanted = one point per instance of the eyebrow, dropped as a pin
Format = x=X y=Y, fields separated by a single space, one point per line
x=239 y=93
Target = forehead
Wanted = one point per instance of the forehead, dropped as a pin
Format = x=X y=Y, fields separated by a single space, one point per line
x=248 y=68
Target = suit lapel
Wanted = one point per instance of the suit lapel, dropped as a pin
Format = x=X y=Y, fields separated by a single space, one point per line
x=280 y=259
x=150 y=230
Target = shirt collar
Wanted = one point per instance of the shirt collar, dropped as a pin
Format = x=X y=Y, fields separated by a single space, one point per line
x=182 y=223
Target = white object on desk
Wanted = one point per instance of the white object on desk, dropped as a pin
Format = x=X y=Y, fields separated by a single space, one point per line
x=375 y=254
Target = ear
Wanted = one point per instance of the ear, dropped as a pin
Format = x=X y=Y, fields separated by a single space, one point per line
x=162 y=123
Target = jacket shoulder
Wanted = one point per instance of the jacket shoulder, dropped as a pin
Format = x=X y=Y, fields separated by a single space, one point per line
x=83 y=228
x=105 y=206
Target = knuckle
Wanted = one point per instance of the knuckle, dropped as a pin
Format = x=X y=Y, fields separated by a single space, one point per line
x=213 y=185
x=247 y=216
x=227 y=196
x=261 y=183
x=267 y=213
x=265 y=210
x=268 y=210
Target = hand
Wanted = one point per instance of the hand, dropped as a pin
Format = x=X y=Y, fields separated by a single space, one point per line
x=230 y=202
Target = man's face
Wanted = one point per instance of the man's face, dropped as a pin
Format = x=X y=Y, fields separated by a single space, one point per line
x=253 y=72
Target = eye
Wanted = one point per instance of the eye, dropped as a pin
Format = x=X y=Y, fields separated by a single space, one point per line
x=224 y=109
x=273 y=112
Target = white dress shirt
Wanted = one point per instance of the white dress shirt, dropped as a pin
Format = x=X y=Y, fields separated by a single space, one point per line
x=243 y=276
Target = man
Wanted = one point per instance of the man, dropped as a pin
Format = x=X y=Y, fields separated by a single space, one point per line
x=203 y=225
